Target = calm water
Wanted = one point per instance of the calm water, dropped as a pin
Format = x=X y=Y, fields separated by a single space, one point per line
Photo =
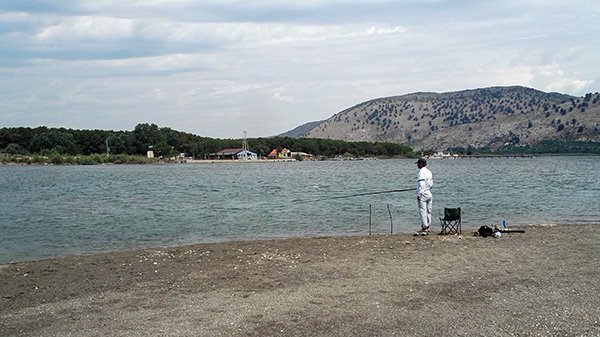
x=65 y=210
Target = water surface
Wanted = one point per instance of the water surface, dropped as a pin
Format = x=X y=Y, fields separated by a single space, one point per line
x=50 y=211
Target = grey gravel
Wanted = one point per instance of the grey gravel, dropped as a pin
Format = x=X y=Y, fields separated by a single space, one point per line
x=544 y=282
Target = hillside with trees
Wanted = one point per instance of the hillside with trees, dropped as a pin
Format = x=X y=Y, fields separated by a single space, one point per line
x=300 y=130
x=492 y=118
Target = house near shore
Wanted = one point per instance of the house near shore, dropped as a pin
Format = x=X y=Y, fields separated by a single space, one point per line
x=236 y=154
x=283 y=154
x=441 y=155
x=303 y=155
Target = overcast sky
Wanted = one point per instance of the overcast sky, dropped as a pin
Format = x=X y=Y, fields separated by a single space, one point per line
x=218 y=68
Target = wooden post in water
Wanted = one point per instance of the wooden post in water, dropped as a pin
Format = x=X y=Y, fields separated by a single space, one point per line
x=391 y=222
x=369 y=219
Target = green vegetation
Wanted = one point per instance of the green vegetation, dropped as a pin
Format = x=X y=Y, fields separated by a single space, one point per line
x=543 y=147
x=554 y=146
x=61 y=159
x=44 y=145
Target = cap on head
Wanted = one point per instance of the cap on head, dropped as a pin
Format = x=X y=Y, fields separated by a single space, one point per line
x=422 y=161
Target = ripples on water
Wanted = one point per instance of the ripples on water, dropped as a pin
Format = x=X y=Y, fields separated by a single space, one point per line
x=63 y=210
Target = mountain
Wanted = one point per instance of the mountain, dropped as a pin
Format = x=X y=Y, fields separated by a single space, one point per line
x=300 y=130
x=493 y=117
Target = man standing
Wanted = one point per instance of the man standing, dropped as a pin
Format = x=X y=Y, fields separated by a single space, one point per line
x=424 y=196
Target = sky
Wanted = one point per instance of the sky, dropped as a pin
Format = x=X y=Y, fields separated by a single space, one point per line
x=219 y=68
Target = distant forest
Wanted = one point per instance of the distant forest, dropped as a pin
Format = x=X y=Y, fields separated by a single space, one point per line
x=166 y=142
x=69 y=146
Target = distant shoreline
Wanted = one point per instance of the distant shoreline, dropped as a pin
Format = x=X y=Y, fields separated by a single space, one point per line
x=215 y=161
x=141 y=160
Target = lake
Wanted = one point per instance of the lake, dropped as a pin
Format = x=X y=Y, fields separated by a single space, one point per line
x=54 y=211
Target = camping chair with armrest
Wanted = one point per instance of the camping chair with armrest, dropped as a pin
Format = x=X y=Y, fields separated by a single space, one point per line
x=451 y=222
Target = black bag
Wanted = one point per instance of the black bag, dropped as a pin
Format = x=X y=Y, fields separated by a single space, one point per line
x=485 y=231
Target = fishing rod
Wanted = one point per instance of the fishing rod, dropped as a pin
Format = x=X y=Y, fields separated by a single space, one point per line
x=355 y=195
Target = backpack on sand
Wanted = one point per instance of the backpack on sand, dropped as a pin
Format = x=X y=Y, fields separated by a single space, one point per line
x=485 y=231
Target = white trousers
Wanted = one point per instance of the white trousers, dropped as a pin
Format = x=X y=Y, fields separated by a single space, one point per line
x=424 y=201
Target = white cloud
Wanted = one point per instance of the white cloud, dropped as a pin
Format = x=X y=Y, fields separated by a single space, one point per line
x=87 y=28
x=268 y=66
x=278 y=96
x=553 y=78
x=230 y=88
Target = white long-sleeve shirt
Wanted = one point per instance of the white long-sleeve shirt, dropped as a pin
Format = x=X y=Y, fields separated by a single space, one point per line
x=424 y=181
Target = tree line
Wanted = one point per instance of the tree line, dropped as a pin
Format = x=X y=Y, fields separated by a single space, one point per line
x=547 y=146
x=166 y=142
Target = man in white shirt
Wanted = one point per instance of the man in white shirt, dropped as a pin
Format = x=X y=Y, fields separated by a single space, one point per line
x=424 y=196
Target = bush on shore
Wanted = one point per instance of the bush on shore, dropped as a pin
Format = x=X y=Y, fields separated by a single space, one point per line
x=61 y=159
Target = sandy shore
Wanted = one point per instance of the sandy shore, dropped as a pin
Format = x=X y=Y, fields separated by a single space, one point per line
x=544 y=282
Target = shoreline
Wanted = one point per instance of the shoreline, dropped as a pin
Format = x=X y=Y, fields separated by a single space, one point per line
x=541 y=282
x=466 y=231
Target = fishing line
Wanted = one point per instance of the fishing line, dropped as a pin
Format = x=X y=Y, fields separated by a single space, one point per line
x=354 y=195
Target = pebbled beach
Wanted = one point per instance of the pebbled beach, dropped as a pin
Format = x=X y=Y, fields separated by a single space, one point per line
x=544 y=282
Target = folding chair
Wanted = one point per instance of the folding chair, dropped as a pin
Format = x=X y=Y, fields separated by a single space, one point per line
x=451 y=223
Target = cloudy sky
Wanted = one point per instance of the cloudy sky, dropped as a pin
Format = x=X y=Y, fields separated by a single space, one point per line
x=218 y=68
